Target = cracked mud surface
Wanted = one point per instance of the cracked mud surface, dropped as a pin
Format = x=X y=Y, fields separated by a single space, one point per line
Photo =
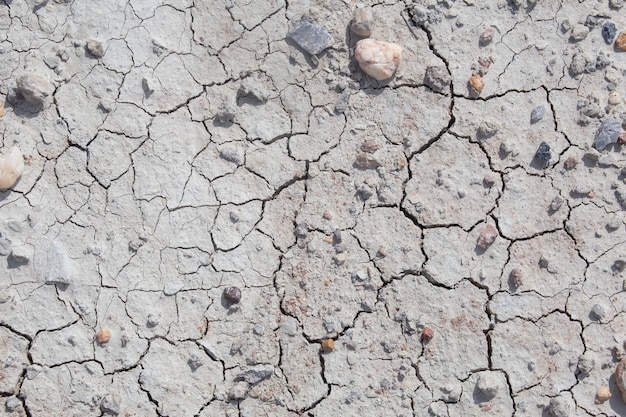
x=177 y=148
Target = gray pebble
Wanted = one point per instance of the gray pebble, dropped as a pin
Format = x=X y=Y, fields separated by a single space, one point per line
x=438 y=79
x=544 y=262
x=153 y=320
x=311 y=37
x=543 y=154
x=12 y=404
x=110 y=405
x=258 y=330
x=194 y=362
x=616 y=4
x=608 y=133
x=537 y=114
x=578 y=64
x=558 y=407
x=365 y=192
x=557 y=203
x=579 y=32
x=302 y=231
x=21 y=254
x=597 y=311
x=488 y=385
x=614 y=224
x=34 y=88
x=290 y=327
x=582 y=189
x=362 y=22
x=95 y=48
x=487 y=129
x=172 y=287
x=230 y=155
x=585 y=365
x=256 y=374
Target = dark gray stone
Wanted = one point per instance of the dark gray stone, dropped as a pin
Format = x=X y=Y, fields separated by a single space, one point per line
x=608 y=32
x=543 y=154
x=608 y=133
x=310 y=37
x=537 y=114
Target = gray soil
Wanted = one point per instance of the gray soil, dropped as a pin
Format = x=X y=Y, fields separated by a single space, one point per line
x=422 y=245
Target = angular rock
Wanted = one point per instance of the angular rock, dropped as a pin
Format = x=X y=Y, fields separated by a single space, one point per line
x=311 y=37
x=608 y=32
x=11 y=168
x=378 y=59
x=256 y=374
x=362 y=22
x=35 y=88
x=607 y=134
x=438 y=78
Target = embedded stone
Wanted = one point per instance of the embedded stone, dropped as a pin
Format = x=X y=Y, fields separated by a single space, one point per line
x=311 y=37
x=34 y=88
x=362 y=22
x=378 y=59
x=620 y=41
x=11 y=168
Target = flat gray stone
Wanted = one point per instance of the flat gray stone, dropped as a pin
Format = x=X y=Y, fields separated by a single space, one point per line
x=313 y=38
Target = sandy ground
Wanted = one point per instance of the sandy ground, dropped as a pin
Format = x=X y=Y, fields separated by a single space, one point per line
x=450 y=241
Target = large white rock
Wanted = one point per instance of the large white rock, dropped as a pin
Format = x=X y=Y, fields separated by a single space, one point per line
x=378 y=59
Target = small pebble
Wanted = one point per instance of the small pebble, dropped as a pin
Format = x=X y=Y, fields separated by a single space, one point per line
x=427 y=334
x=258 y=330
x=537 y=114
x=487 y=36
x=95 y=48
x=378 y=59
x=153 y=320
x=487 y=129
x=362 y=22
x=557 y=203
x=365 y=192
x=103 y=336
x=232 y=294
x=579 y=32
x=438 y=79
x=11 y=168
x=489 y=180
x=616 y=4
x=585 y=365
x=515 y=277
x=172 y=287
x=608 y=133
x=608 y=32
x=620 y=41
x=597 y=311
x=570 y=162
x=477 y=83
x=603 y=394
x=543 y=154
x=313 y=38
x=614 y=98
x=487 y=236
x=328 y=345
x=488 y=385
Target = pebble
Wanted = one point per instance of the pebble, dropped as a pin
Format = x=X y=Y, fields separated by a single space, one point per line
x=579 y=32
x=427 y=334
x=597 y=311
x=570 y=163
x=362 y=22
x=487 y=237
x=103 y=336
x=537 y=114
x=585 y=365
x=608 y=32
x=477 y=83
x=328 y=344
x=34 y=88
x=258 y=330
x=543 y=154
x=22 y=254
x=378 y=59
x=95 y=48
x=289 y=327
x=256 y=374
x=239 y=391
x=616 y=4
x=614 y=98
x=11 y=168
x=172 y=287
x=620 y=377
x=487 y=385
x=515 y=277
x=582 y=189
x=311 y=37
x=365 y=191
x=614 y=224
x=487 y=36
x=602 y=394
x=110 y=405
x=12 y=404
x=438 y=79
x=232 y=294
x=153 y=320
x=558 y=407
x=607 y=134
x=557 y=203
x=487 y=129
x=620 y=41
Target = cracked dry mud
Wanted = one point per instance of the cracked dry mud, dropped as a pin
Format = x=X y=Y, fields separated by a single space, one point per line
x=176 y=148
